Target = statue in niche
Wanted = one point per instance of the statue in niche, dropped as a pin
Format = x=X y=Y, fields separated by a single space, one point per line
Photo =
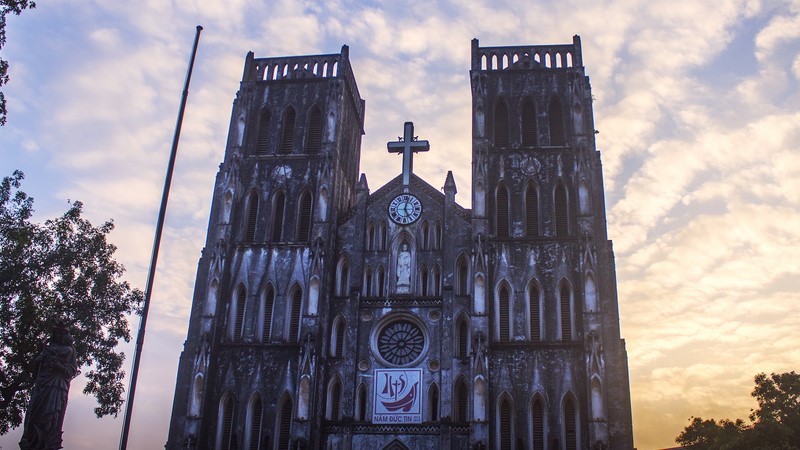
x=56 y=366
x=404 y=270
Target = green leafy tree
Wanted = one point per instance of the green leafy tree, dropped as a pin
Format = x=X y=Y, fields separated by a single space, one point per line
x=8 y=7
x=776 y=421
x=62 y=269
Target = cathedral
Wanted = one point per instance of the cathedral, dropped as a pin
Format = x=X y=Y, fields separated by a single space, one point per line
x=327 y=315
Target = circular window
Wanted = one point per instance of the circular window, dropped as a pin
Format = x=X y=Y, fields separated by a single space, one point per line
x=401 y=342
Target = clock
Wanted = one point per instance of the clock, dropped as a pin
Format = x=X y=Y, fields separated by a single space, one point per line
x=405 y=209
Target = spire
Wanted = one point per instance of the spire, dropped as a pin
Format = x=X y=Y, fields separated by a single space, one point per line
x=450 y=183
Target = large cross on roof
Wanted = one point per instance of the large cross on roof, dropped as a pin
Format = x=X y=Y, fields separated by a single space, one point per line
x=408 y=145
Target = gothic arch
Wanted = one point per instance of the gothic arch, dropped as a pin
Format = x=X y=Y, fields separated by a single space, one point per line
x=590 y=293
x=211 y=298
x=571 y=425
x=333 y=405
x=336 y=348
x=278 y=215
x=304 y=216
x=370 y=244
x=225 y=422
x=538 y=422
x=424 y=281
x=501 y=132
x=433 y=402
x=283 y=421
x=529 y=128
x=583 y=198
x=566 y=311
x=460 y=400
x=425 y=232
x=535 y=304
x=366 y=282
x=479 y=297
x=503 y=311
x=343 y=277
x=502 y=213
x=237 y=311
x=196 y=401
x=504 y=424
x=598 y=409
x=532 y=209
x=251 y=217
x=555 y=121
x=561 y=209
x=262 y=140
x=254 y=424
x=361 y=402
x=313 y=295
x=380 y=282
x=436 y=281
x=322 y=210
x=462 y=336
x=314 y=130
x=462 y=275
x=267 y=311
x=294 y=313
x=437 y=235
x=287 y=130
x=399 y=277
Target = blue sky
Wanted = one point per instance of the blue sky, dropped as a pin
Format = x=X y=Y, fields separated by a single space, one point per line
x=696 y=102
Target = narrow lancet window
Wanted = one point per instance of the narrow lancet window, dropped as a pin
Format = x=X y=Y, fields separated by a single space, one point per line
x=287 y=138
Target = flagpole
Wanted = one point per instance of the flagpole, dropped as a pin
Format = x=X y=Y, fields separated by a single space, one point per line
x=123 y=443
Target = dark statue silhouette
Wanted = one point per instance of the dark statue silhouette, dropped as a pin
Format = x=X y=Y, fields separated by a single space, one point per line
x=56 y=367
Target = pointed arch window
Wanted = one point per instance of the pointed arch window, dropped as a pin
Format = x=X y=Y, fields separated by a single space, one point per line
x=278 y=209
x=304 y=217
x=381 y=281
x=337 y=337
x=425 y=236
x=433 y=402
x=238 y=323
x=531 y=211
x=460 y=404
x=437 y=235
x=342 y=278
x=294 y=315
x=504 y=313
x=382 y=242
x=529 y=130
x=566 y=312
x=225 y=436
x=436 y=282
x=501 y=125
x=423 y=281
x=366 y=287
x=287 y=136
x=284 y=424
x=314 y=131
x=361 y=403
x=504 y=425
x=462 y=275
x=253 y=435
x=570 y=424
x=535 y=313
x=262 y=143
x=462 y=338
x=502 y=219
x=561 y=208
x=266 y=313
x=555 y=119
x=537 y=424
x=370 y=237
x=334 y=400
x=252 y=217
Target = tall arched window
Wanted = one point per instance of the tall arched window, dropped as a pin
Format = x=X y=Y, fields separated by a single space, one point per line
x=537 y=423
x=423 y=281
x=381 y=281
x=556 y=121
x=561 y=208
x=531 y=211
x=294 y=314
x=284 y=424
x=287 y=136
x=529 y=131
x=535 y=312
x=334 y=399
x=267 y=306
x=433 y=402
x=566 y=312
x=278 y=209
x=262 y=143
x=437 y=235
x=502 y=219
x=504 y=430
x=337 y=337
x=361 y=403
x=597 y=400
x=253 y=435
x=570 y=424
x=462 y=338
x=504 y=313
x=382 y=242
x=425 y=236
x=238 y=323
x=252 y=217
x=225 y=427
x=501 y=125
x=460 y=402
x=314 y=131
x=436 y=282
x=370 y=237
x=343 y=278
x=462 y=275
x=366 y=285
x=304 y=217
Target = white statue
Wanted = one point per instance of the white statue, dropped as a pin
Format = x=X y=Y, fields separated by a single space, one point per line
x=404 y=270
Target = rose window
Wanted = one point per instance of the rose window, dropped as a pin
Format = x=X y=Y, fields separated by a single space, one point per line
x=401 y=342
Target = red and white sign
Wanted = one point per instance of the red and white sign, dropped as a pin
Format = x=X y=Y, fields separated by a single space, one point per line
x=398 y=396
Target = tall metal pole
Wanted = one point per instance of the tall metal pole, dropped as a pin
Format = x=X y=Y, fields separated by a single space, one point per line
x=123 y=443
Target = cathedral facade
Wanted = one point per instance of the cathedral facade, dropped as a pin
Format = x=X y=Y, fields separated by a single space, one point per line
x=329 y=316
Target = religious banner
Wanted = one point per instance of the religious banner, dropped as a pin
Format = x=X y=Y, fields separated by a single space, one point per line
x=397 y=396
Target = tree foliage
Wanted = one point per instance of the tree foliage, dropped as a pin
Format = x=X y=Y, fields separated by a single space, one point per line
x=8 y=7
x=775 y=423
x=62 y=269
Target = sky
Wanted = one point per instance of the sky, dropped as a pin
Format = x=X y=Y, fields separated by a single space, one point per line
x=697 y=104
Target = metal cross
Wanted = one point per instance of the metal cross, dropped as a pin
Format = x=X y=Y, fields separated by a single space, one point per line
x=408 y=145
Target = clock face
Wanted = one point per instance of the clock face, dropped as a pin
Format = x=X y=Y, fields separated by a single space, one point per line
x=405 y=209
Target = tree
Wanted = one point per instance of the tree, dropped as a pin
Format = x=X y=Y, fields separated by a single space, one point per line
x=776 y=421
x=6 y=7
x=62 y=269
